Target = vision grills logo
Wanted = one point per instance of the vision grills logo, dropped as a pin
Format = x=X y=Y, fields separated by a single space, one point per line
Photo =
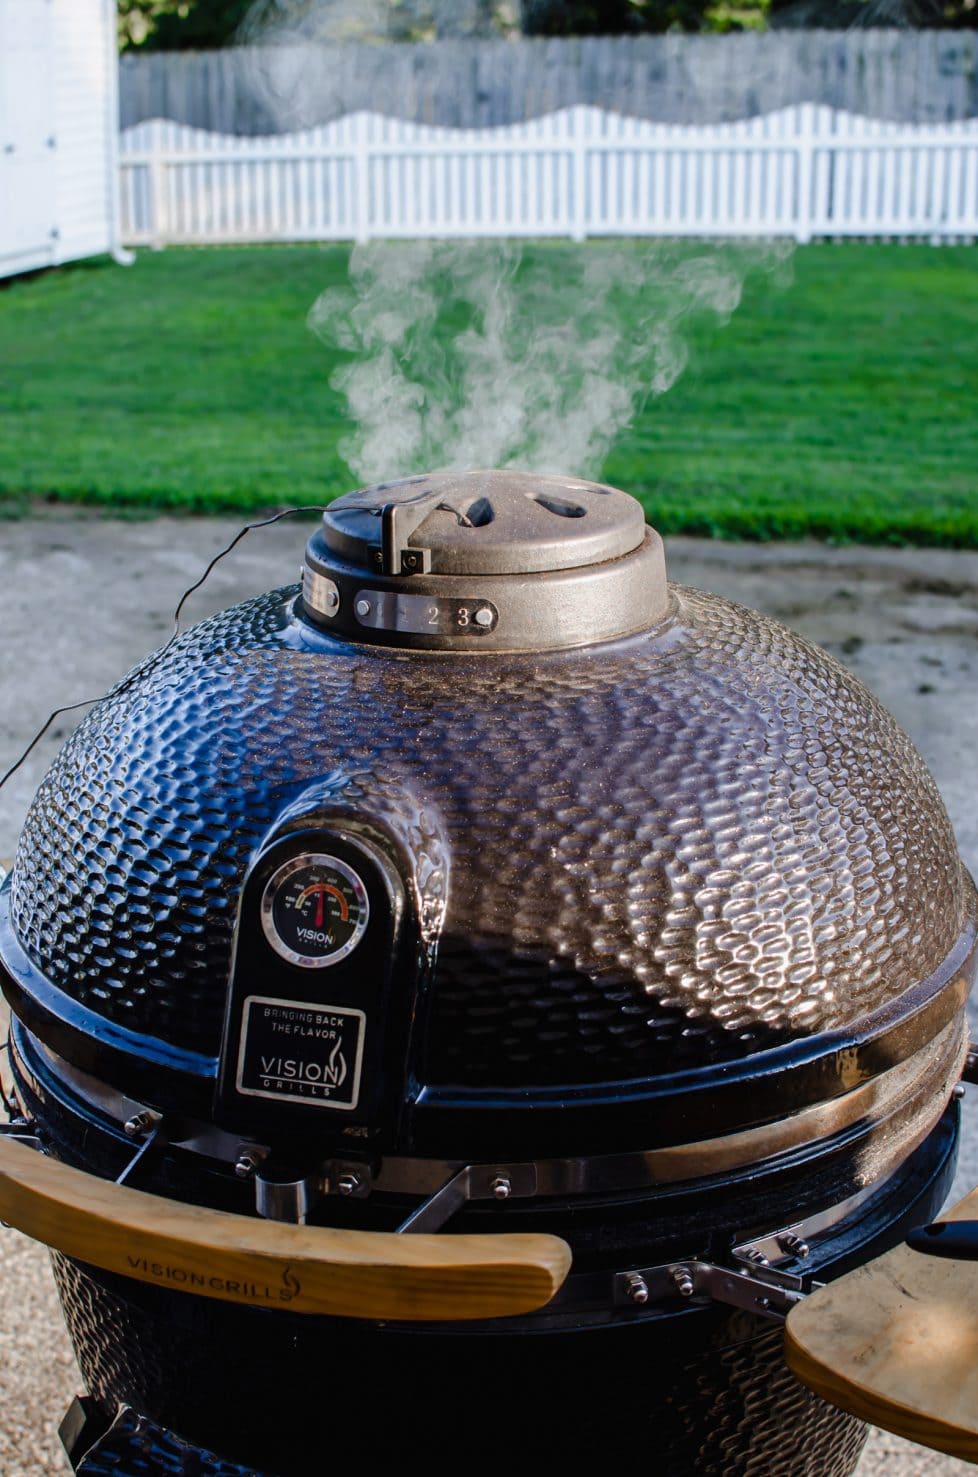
x=306 y=1053
x=212 y=1284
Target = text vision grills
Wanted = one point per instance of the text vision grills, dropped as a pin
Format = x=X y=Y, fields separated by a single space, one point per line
x=503 y=982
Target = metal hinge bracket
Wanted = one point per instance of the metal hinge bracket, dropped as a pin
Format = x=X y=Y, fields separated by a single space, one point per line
x=704 y=1281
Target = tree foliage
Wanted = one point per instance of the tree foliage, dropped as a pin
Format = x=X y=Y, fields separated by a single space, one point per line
x=203 y=24
x=837 y=15
x=180 y=24
x=624 y=17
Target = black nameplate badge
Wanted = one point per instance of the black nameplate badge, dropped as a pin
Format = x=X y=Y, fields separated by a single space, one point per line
x=300 y=1052
x=311 y=1023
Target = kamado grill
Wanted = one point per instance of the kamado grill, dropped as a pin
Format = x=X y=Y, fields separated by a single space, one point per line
x=470 y=1001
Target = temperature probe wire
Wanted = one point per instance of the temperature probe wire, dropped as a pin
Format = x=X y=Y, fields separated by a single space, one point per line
x=138 y=670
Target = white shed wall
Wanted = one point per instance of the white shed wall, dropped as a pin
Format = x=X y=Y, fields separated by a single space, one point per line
x=58 y=131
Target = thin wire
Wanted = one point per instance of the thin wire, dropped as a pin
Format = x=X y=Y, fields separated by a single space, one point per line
x=87 y=702
x=262 y=523
x=68 y=708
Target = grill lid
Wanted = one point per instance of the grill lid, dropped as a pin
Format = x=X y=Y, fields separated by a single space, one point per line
x=690 y=885
x=499 y=560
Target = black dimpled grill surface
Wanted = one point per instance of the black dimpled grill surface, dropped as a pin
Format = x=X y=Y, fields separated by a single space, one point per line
x=666 y=852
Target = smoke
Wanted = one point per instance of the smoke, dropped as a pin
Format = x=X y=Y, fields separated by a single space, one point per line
x=331 y=22
x=272 y=22
x=477 y=355
x=294 y=61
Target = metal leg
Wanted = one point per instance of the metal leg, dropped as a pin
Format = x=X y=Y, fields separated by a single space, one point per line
x=130 y=1443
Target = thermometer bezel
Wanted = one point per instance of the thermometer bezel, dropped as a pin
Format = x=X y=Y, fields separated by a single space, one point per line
x=271 y=895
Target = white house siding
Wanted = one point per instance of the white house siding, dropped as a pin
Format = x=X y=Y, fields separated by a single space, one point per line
x=58 y=131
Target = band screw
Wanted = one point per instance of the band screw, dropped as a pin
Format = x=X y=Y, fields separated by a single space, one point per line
x=793 y=1245
x=636 y=1288
x=501 y=1187
x=682 y=1281
x=247 y=1163
x=348 y=1184
x=751 y=1254
x=142 y=1122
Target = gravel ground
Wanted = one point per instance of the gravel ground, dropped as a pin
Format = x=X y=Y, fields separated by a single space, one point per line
x=82 y=598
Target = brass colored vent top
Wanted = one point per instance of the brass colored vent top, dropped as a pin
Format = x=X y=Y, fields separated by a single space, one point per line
x=483 y=523
x=500 y=560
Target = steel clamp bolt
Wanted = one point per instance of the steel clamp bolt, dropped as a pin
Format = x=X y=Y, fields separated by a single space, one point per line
x=501 y=1187
x=793 y=1245
x=637 y=1288
x=682 y=1281
x=247 y=1163
x=348 y=1184
x=142 y=1122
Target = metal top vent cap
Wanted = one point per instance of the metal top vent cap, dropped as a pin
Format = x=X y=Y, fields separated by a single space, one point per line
x=499 y=560
x=483 y=523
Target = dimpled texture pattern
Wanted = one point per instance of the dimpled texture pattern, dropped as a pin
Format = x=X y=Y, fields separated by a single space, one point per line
x=730 y=1407
x=665 y=852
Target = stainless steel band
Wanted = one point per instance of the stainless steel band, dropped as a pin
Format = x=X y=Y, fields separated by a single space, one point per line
x=937 y=1066
x=765 y=1272
x=548 y=611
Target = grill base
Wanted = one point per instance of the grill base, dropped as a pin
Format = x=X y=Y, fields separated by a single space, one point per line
x=285 y=1405
x=705 y=1390
x=702 y=1387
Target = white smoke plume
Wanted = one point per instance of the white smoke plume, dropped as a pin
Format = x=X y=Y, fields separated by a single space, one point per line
x=294 y=48
x=475 y=355
x=331 y=22
x=274 y=22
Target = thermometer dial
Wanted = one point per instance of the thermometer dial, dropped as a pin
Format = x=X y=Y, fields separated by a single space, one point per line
x=314 y=910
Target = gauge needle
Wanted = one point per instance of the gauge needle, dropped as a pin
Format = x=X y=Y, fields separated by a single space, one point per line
x=320 y=898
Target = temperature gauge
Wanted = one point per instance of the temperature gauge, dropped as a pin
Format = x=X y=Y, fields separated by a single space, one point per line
x=314 y=910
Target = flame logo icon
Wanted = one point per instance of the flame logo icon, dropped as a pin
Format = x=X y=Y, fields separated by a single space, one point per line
x=291 y=1286
x=337 y=1065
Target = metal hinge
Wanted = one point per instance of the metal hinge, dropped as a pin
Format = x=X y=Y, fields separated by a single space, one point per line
x=757 y=1292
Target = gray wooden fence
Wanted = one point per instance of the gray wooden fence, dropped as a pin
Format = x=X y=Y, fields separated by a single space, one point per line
x=908 y=76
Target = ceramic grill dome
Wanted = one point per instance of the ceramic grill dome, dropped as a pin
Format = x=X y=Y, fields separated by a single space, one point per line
x=571 y=862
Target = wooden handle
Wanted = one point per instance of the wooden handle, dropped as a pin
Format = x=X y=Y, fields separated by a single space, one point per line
x=896 y=1342
x=304 y=1269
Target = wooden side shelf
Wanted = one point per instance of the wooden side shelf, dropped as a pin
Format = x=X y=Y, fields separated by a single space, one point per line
x=896 y=1343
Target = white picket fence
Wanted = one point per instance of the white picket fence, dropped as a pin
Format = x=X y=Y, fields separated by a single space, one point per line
x=803 y=172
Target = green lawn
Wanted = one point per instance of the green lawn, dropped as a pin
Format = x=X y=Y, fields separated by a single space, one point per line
x=841 y=405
